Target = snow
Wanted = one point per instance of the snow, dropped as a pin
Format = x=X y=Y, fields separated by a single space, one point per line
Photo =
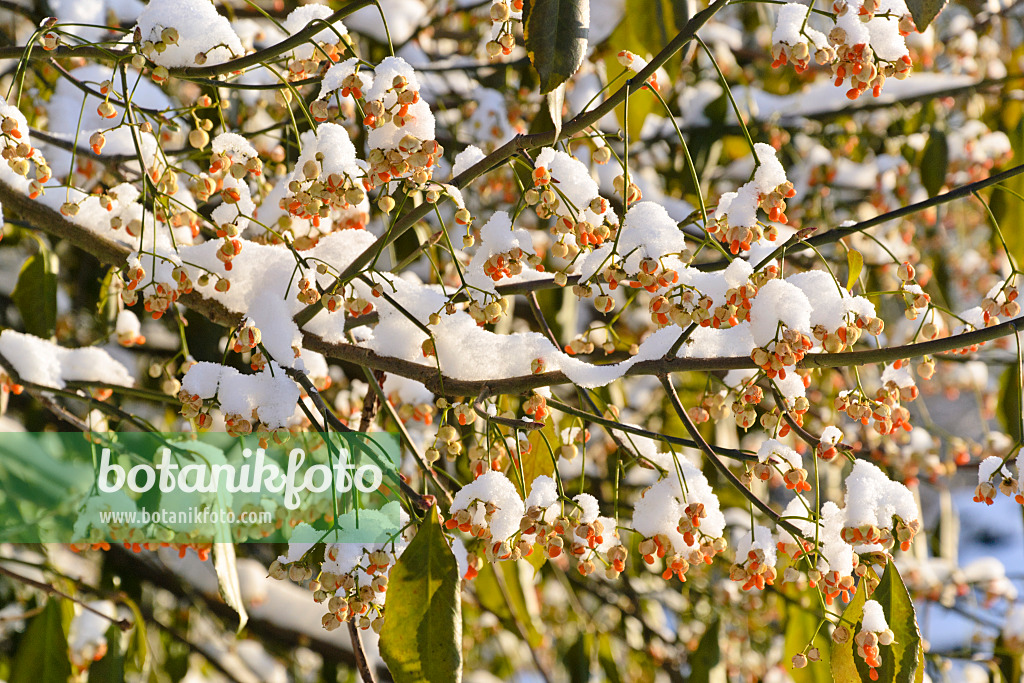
x=87 y=633
x=761 y=539
x=773 y=450
x=831 y=435
x=217 y=39
x=787 y=29
x=874 y=618
x=989 y=466
x=778 y=301
x=95 y=12
x=466 y=158
x=588 y=505
x=831 y=304
x=873 y=498
x=301 y=16
x=543 y=493
x=44 y=363
x=574 y=183
x=493 y=487
x=335 y=77
x=235 y=146
x=660 y=506
x=271 y=394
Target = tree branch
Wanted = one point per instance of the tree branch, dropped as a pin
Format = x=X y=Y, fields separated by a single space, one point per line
x=96 y=54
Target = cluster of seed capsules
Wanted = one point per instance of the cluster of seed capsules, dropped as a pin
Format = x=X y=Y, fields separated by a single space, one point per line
x=986 y=491
x=753 y=571
x=502 y=17
x=832 y=583
x=413 y=158
x=739 y=237
x=356 y=596
x=700 y=548
x=158 y=297
x=858 y=62
x=868 y=643
x=795 y=478
x=869 y=534
x=19 y=153
x=854 y=61
x=313 y=197
x=193 y=407
x=799 y=54
x=556 y=535
x=1003 y=304
x=884 y=413
x=546 y=201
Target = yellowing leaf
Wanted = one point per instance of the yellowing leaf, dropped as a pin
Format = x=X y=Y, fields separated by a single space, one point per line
x=422 y=637
x=855 y=264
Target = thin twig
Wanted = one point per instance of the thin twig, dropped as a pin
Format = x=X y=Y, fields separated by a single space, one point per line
x=721 y=466
x=123 y=624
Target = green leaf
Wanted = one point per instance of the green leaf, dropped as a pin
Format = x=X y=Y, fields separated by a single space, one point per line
x=490 y=596
x=855 y=264
x=707 y=656
x=801 y=627
x=138 y=647
x=110 y=669
x=644 y=30
x=683 y=10
x=577 y=659
x=607 y=659
x=107 y=306
x=934 y=162
x=35 y=295
x=1009 y=402
x=42 y=655
x=1009 y=662
x=540 y=460
x=556 y=39
x=900 y=661
x=1007 y=207
x=924 y=11
x=422 y=635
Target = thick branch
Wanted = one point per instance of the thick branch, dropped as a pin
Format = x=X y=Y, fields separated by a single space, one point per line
x=113 y=253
